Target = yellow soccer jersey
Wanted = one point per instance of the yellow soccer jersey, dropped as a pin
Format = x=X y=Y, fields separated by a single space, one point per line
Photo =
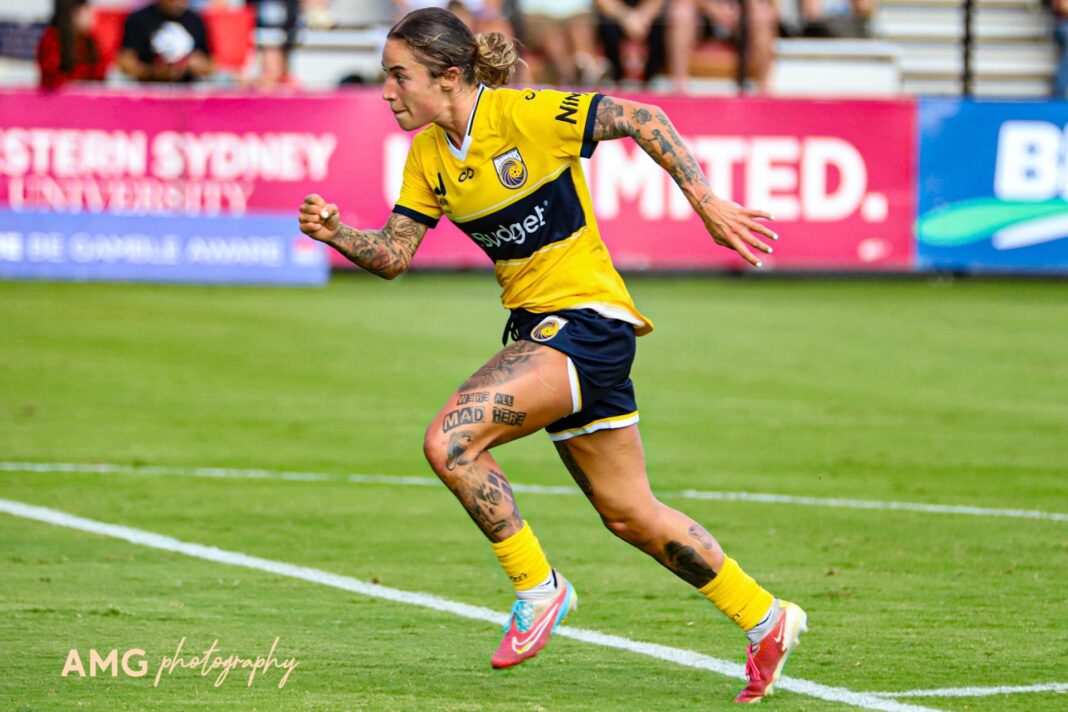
x=517 y=189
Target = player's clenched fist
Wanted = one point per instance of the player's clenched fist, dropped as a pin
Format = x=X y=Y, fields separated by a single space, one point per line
x=319 y=219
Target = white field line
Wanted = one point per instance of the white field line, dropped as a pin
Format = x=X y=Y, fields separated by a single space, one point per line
x=979 y=691
x=678 y=656
x=221 y=472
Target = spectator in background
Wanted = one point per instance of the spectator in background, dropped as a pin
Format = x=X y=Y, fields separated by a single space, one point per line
x=562 y=32
x=696 y=21
x=836 y=18
x=483 y=16
x=1060 y=34
x=165 y=42
x=67 y=51
x=632 y=33
x=276 y=27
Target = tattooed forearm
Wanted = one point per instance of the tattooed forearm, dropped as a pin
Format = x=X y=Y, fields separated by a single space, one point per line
x=687 y=164
x=687 y=564
x=653 y=131
x=386 y=252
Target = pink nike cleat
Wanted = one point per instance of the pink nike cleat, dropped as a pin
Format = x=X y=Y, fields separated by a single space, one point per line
x=531 y=623
x=766 y=659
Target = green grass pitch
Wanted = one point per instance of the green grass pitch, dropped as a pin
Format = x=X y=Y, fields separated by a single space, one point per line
x=930 y=392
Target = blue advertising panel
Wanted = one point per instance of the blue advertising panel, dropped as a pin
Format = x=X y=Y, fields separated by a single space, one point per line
x=100 y=246
x=993 y=186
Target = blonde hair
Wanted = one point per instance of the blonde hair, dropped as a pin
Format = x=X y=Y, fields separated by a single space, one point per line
x=496 y=60
x=440 y=40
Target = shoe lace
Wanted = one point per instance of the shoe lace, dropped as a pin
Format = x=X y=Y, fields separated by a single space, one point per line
x=523 y=614
x=751 y=670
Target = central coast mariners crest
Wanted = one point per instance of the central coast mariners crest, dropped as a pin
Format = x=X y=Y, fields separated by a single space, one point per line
x=547 y=328
x=511 y=169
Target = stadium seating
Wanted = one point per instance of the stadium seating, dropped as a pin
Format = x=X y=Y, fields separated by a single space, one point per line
x=325 y=57
x=916 y=49
x=1013 y=54
x=350 y=47
x=836 y=67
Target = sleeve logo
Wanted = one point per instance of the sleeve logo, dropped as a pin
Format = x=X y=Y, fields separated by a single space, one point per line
x=511 y=169
x=547 y=328
x=568 y=108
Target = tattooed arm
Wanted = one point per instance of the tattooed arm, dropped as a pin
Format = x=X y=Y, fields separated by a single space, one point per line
x=731 y=225
x=386 y=252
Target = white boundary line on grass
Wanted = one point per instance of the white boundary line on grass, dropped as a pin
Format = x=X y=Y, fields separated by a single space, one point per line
x=979 y=691
x=222 y=472
x=678 y=656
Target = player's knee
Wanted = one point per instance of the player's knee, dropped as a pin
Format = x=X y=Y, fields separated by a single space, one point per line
x=634 y=525
x=446 y=451
x=435 y=447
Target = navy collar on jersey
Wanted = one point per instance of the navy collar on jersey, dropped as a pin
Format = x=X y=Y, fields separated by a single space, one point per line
x=460 y=153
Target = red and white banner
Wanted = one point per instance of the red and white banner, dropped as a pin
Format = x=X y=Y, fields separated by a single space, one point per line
x=839 y=176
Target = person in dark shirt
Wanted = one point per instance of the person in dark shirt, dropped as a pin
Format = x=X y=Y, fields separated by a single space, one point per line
x=1059 y=8
x=632 y=33
x=67 y=51
x=165 y=42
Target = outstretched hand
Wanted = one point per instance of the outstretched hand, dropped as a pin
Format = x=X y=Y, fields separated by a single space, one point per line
x=732 y=226
x=318 y=219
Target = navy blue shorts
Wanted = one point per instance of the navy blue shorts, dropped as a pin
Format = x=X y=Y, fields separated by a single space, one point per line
x=600 y=352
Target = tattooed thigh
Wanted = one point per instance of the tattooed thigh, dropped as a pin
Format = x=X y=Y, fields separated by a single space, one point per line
x=579 y=475
x=508 y=364
x=497 y=407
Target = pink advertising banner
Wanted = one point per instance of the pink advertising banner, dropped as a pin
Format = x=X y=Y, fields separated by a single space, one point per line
x=838 y=175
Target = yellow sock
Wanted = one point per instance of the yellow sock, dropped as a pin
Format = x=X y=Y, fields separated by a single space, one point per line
x=522 y=559
x=734 y=592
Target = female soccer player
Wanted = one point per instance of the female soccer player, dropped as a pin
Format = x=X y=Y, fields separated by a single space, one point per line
x=503 y=164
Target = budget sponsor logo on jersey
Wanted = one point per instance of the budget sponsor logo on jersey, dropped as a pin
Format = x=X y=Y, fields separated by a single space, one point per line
x=516 y=232
x=549 y=214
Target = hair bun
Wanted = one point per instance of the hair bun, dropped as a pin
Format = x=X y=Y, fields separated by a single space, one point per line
x=495 y=59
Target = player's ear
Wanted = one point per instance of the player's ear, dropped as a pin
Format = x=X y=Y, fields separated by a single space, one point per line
x=450 y=79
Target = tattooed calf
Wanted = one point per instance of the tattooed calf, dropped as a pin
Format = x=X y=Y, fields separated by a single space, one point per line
x=687 y=564
x=701 y=534
x=487 y=497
